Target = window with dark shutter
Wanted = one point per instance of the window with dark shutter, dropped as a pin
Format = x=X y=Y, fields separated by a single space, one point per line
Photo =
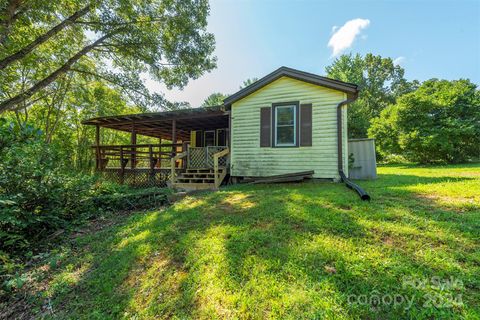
x=306 y=125
x=265 y=127
x=285 y=124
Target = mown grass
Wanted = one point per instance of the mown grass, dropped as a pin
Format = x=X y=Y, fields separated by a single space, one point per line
x=297 y=251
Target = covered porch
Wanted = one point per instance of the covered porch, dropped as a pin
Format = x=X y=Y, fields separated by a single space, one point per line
x=192 y=148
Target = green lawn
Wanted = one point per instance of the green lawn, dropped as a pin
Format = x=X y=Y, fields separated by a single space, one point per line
x=296 y=251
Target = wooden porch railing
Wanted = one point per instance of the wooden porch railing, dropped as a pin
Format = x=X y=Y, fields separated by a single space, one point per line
x=172 y=165
x=202 y=157
x=219 y=176
x=147 y=159
x=138 y=155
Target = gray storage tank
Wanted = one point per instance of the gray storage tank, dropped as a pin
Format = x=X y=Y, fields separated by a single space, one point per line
x=364 y=165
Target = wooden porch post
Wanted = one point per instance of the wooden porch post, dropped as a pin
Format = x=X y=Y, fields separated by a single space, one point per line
x=97 y=149
x=133 y=141
x=152 y=163
x=160 y=152
x=122 y=166
x=174 y=137
x=184 y=149
x=229 y=141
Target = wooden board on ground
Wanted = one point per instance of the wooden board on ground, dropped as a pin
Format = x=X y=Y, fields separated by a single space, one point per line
x=289 y=177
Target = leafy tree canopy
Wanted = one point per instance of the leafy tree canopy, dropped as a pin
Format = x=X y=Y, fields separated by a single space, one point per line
x=248 y=82
x=114 y=40
x=215 y=99
x=380 y=82
x=440 y=121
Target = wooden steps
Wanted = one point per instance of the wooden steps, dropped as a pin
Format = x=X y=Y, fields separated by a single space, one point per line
x=201 y=170
x=198 y=179
x=199 y=175
x=195 y=180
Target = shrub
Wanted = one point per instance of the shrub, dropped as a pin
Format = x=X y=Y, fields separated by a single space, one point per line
x=40 y=195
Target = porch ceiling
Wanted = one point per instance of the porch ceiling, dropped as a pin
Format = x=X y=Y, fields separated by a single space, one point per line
x=160 y=124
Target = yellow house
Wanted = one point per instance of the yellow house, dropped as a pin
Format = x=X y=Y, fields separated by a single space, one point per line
x=287 y=122
x=296 y=113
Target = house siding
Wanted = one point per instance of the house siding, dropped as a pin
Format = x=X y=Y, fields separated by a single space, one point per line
x=249 y=159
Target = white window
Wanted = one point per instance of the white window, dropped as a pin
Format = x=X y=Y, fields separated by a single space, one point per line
x=285 y=126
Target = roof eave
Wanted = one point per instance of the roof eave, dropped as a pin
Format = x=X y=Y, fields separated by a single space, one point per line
x=174 y=114
x=348 y=88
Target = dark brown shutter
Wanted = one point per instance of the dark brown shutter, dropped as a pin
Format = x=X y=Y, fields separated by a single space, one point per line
x=306 y=125
x=265 y=127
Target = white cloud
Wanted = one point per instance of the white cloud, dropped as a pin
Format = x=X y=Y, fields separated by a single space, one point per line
x=343 y=37
x=399 y=61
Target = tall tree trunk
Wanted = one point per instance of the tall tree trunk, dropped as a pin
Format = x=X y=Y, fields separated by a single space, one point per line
x=44 y=37
x=59 y=104
x=23 y=96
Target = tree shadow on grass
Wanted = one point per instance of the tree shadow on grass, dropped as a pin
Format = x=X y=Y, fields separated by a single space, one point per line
x=362 y=260
x=295 y=250
x=122 y=268
x=399 y=191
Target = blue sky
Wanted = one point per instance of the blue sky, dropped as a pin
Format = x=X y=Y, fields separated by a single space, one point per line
x=430 y=39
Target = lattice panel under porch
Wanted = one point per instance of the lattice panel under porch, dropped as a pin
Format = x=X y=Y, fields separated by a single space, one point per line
x=139 y=177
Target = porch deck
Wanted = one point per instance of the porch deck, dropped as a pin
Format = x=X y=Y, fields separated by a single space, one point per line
x=199 y=139
x=148 y=165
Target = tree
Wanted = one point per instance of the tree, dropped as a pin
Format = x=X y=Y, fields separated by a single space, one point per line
x=215 y=99
x=58 y=116
x=380 y=82
x=440 y=121
x=167 y=40
x=248 y=82
x=384 y=129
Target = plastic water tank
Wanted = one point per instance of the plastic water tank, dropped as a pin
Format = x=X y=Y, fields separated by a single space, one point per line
x=364 y=164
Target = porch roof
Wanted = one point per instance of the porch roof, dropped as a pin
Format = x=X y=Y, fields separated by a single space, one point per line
x=160 y=124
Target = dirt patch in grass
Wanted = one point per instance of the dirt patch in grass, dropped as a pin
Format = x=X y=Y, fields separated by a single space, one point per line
x=158 y=280
x=237 y=203
x=387 y=240
x=451 y=203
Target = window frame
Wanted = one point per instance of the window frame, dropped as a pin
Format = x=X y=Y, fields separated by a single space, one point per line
x=296 y=122
x=225 y=132
x=205 y=137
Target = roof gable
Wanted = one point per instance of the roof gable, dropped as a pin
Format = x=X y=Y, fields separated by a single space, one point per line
x=348 y=88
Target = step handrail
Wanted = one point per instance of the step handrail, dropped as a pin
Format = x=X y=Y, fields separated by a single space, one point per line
x=216 y=156
x=172 y=164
